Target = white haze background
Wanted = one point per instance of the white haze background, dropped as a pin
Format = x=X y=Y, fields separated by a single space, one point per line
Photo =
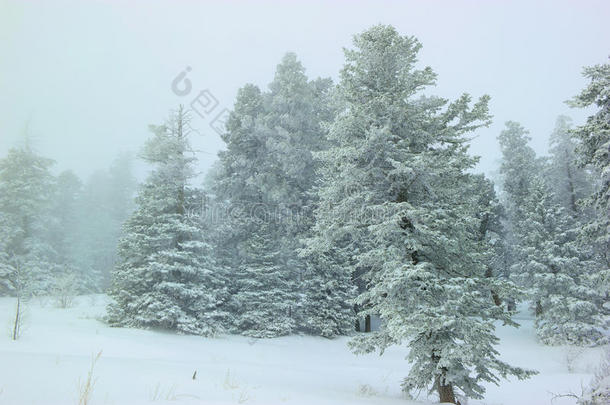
x=86 y=78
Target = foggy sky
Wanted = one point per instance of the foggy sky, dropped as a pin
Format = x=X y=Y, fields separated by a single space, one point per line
x=88 y=77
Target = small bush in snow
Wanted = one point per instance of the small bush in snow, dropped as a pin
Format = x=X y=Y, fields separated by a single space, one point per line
x=572 y=354
x=599 y=390
x=64 y=290
x=365 y=390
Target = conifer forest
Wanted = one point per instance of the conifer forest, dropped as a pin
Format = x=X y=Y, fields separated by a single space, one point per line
x=300 y=202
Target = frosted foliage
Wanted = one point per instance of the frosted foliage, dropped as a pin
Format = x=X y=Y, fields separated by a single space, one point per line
x=266 y=178
x=166 y=276
x=396 y=211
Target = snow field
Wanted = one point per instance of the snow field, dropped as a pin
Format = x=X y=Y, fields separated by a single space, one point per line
x=144 y=366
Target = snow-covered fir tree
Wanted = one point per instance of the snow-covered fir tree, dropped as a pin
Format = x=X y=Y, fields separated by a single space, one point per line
x=67 y=192
x=559 y=280
x=519 y=166
x=546 y=259
x=109 y=194
x=407 y=223
x=296 y=110
x=330 y=291
x=240 y=185
x=265 y=297
x=489 y=212
x=593 y=152
x=63 y=232
x=26 y=191
x=568 y=182
x=166 y=276
x=266 y=175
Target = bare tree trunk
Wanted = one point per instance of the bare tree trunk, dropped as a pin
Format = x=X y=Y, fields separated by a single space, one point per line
x=445 y=392
x=19 y=283
x=496 y=298
x=367 y=323
x=17 y=319
x=570 y=184
x=538 y=309
x=444 y=389
x=511 y=305
x=494 y=295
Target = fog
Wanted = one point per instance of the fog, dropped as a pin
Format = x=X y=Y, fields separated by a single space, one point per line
x=85 y=79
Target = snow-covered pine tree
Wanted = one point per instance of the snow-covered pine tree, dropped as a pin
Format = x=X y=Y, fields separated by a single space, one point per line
x=94 y=247
x=330 y=291
x=118 y=200
x=6 y=267
x=519 y=166
x=63 y=232
x=553 y=269
x=546 y=259
x=407 y=221
x=265 y=297
x=244 y=243
x=298 y=112
x=26 y=190
x=490 y=212
x=166 y=276
x=593 y=151
x=266 y=174
x=235 y=184
x=573 y=184
x=109 y=194
x=67 y=192
x=568 y=182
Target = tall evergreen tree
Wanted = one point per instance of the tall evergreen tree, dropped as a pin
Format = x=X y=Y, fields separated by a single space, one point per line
x=569 y=182
x=593 y=151
x=241 y=184
x=166 y=276
x=519 y=166
x=63 y=232
x=235 y=184
x=545 y=258
x=489 y=212
x=267 y=173
x=518 y=169
x=407 y=225
x=265 y=296
x=26 y=191
x=105 y=203
x=556 y=274
x=95 y=248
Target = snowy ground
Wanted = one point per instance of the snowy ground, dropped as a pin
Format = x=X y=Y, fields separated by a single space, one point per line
x=141 y=367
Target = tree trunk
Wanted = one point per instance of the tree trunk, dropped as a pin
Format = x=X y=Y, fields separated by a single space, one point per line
x=367 y=323
x=570 y=184
x=538 y=310
x=496 y=298
x=494 y=295
x=17 y=320
x=356 y=311
x=511 y=305
x=445 y=392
